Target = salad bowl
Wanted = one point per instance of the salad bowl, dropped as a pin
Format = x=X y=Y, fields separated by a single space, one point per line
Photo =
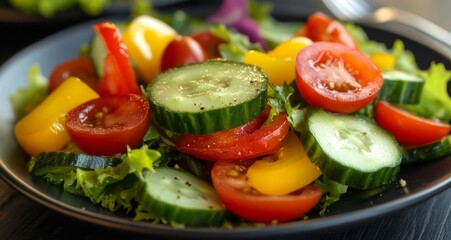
x=424 y=180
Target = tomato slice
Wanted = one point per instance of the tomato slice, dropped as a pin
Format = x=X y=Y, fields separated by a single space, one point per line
x=229 y=181
x=248 y=141
x=182 y=50
x=119 y=77
x=107 y=125
x=320 y=27
x=336 y=78
x=407 y=128
x=209 y=42
x=80 y=67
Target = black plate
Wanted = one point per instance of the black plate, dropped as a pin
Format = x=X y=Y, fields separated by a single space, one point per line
x=424 y=180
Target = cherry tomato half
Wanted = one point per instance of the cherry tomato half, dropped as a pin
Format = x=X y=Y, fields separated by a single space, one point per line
x=180 y=51
x=229 y=181
x=407 y=128
x=209 y=42
x=245 y=142
x=336 y=78
x=320 y=27
x=107 y=125
x=80 y=67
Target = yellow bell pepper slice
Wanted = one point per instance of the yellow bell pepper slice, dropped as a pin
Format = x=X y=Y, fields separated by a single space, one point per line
x=146 y=39
x=279 y=70
x=285 y=171
x=279 y=64
x=385 y=61
x=43 y=129
x=290 y=48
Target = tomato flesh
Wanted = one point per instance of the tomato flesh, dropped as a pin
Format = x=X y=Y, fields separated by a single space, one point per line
x=107 y=125
x=336 y=78
x=182 y=50
x=229 y=181
x=248 y=141
x=320 y=27
x=407 y=128
x=80 y=67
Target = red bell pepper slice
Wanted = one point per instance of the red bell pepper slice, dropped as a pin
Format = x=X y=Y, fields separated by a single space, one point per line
x=119 y=77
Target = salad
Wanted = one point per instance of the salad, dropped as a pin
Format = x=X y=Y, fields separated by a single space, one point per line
x=235 y=119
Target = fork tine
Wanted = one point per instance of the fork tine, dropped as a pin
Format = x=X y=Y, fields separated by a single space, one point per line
x=349 y=9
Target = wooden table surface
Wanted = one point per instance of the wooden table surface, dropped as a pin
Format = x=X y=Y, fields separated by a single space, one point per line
x=21 y=218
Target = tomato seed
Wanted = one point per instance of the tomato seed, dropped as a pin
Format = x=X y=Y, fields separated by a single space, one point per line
x=233 y=173
x=240 y=168
x=99 y=115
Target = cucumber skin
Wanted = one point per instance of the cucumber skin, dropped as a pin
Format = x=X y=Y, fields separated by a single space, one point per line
x=343 y=174
x=432 y=151
x=161 y=209
x=64 y=162
x=174 y=213
x=400 y=92
x=209 y=121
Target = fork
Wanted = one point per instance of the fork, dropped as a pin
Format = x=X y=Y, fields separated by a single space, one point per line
x=366 y=11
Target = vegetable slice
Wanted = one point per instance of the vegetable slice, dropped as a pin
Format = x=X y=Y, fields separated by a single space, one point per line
x=431 y=151
x=64 y=162
x=98 y=51
x=229 y=181
x=43 y=129
x=119 y=77
x=407 y=128
x=207 y=97
x=248 y=141
x=401 y=87
x=108 y=125
x=289 y=169
x=352 y=150
x=182 y=198
x=336 y=78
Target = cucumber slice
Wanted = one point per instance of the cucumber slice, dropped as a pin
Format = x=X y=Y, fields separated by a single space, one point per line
x=401 y=87
x=431 y=151
x=97 y=50
x=207 y=97
x=64 y=162
x=181 y=197
x=352 y=150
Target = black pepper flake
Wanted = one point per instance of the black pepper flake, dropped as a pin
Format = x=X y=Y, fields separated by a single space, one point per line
x=188 y=183
x=202 y=108
x=176 y=178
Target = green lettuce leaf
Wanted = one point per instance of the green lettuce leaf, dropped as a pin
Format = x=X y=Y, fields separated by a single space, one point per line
x=280 y=101
x=435 y=101
x=236 y=44
x=405 y=60
x=25 y=99
x=332 y=191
